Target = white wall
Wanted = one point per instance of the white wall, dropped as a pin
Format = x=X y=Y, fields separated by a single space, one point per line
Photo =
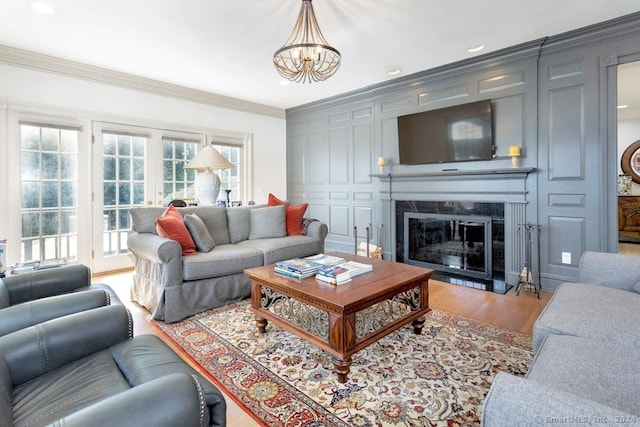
x=92 y=100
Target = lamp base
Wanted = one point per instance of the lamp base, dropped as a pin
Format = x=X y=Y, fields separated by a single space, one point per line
x=515 y=160
x=207 y=187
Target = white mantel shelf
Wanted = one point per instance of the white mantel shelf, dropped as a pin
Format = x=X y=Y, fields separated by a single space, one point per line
x=487 y=173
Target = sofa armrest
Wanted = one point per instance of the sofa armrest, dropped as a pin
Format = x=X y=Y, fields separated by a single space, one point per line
x=318 y=230
x=45 y=283
x=154 y=248
x=164 y=402
x=30 y=313
x=609 y=269
x=42 y=348
x=517 y=401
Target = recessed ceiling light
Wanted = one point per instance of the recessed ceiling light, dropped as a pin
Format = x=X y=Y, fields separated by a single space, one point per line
x=42 y=7
x=475 y=48
x=393 y=72
x=623 y=106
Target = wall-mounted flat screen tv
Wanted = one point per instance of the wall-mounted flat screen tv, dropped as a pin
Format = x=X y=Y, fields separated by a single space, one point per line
x=454 y=134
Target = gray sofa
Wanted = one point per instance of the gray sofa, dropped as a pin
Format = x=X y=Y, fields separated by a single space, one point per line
x=173 y=286
x=587 y=353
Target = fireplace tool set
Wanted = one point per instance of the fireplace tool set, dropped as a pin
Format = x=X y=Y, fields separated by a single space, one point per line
x=527 y=276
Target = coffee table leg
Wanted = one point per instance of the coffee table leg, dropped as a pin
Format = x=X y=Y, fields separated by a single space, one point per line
x=417 y=325
x=342 y=368
x=262 y=324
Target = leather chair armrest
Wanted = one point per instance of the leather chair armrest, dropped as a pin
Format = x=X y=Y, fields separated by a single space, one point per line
x=30 y=313
x=45 y=283
x=42 y=348
x=175 y=399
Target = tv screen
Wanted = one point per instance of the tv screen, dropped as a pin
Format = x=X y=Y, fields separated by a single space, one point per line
x=454 y=134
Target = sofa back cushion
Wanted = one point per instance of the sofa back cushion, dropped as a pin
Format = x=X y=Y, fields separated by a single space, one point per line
x=268 y=222
x=143 y=218
x=239 y=223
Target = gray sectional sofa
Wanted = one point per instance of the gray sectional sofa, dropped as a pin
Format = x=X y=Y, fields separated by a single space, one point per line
x=586 y=343
x=173 y=286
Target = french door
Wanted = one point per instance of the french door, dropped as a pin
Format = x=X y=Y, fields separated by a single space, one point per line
x=134 y=166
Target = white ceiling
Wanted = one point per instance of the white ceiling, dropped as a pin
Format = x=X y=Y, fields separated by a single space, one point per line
x=226 y=47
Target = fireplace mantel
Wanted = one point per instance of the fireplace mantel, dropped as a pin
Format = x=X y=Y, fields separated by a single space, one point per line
x=453 y=172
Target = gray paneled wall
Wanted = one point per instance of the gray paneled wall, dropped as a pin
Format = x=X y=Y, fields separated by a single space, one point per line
x=553 y=97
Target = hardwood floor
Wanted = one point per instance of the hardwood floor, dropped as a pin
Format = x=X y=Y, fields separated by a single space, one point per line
x=509 y=311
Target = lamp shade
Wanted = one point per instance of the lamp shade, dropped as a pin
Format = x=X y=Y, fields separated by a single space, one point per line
x=207 y=184
x=208 y=158
x=514 y=150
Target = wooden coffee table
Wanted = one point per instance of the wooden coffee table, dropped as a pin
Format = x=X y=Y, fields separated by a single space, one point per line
x=344 y=319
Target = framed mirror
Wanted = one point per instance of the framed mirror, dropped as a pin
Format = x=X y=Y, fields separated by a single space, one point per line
x=630 y=161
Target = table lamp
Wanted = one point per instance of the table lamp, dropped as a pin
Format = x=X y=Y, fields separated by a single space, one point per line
x=207 y=184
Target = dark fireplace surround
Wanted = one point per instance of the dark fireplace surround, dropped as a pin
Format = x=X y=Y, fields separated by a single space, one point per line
x=463 y=241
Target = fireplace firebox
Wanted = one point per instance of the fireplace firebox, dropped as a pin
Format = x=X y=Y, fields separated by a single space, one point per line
x=455 y=243
x=462 y=241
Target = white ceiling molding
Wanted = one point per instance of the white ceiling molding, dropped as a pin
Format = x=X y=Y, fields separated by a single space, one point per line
x=37 y=61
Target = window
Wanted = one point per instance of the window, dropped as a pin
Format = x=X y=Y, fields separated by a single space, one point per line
x=49 y=187
x=230 y=178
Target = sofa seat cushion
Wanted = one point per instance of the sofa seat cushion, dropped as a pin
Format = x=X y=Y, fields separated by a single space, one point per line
x=594 y=370
x=590 y=311
x=223 y=260
x=67 y=389
x=281 y=248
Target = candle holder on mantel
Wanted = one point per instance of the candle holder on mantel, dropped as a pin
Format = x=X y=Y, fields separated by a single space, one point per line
x=514 y=152
x=228 y=201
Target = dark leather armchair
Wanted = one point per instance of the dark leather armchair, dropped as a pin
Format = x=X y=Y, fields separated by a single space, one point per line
x=30 y=298
x=85 y=369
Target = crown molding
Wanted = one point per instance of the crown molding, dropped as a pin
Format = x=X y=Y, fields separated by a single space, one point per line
x=37 y=61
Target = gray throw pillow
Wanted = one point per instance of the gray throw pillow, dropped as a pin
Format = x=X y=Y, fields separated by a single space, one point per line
x=201 y=236
x=268 y=222
x=239 y=223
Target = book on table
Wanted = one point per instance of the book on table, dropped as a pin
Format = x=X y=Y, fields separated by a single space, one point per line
x=325 y=259
x=298 y=265
x=356 y=268
x=335 y=272
x=333 y=280
x=293 y=274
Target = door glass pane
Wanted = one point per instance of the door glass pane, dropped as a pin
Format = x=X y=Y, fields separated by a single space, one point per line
x=49 y=175
x=177 y=183
x=123 y=187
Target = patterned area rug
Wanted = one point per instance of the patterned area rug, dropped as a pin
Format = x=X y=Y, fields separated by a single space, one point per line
x=437 y=378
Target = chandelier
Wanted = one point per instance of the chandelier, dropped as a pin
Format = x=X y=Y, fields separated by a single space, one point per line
x=306 y=56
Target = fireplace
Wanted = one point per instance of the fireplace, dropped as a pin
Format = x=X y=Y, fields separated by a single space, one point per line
x=462 y=241
x=457 y=244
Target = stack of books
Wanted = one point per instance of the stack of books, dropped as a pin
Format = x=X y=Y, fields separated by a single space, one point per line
x=327 y=268
x=343 y=272
x=298 y=268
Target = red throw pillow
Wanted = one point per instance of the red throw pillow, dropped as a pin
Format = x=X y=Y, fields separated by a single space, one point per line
x=294 y=215
x=274 y=201
x=171 y=225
